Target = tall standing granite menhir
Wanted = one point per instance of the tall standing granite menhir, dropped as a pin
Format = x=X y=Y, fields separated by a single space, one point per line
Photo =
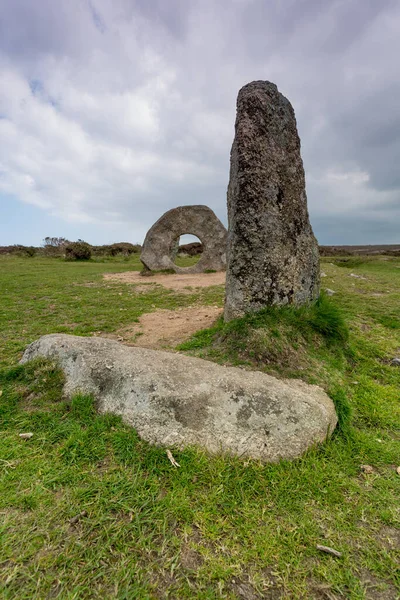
x=272 y=255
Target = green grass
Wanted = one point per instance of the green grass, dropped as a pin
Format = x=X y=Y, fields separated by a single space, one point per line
x=282 y=341
x=40 y=296
x=216 y=527
x=187 y=261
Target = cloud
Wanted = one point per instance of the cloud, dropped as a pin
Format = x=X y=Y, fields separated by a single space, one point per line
x=115 y=111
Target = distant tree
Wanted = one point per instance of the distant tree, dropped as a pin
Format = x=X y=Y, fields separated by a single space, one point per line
x=54 y=246
x=54 y=242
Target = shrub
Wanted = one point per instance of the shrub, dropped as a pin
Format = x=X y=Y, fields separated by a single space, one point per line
x=79 y=250
x=120 y=248
x=124 y=248
x=325 y=318
x=335 y=251
x=30 y=250
x=192 y=249
x=23 y=250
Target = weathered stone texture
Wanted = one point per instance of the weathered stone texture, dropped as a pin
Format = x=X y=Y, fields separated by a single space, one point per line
x=162 y=240
x=272 y=254
x=171 y=399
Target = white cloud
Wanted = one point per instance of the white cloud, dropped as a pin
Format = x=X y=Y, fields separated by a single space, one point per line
x=114 y=111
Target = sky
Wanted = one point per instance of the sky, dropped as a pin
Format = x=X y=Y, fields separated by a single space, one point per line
x=114 y=111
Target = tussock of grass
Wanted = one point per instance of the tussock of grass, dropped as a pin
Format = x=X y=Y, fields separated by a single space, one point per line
x=326 y=318
x=285 y=339
x=343 y=410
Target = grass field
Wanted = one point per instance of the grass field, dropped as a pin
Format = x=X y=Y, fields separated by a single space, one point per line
x=88 y=510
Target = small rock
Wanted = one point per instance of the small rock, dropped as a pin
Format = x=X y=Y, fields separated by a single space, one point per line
x=357 y=276
x=395 y=362
x=329 y=292
x=26 y=436
x=367 y=469
x=398 y=470
x=322 y=274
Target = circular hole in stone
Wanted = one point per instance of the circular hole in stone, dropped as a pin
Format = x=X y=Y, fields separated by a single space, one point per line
x=188 y=250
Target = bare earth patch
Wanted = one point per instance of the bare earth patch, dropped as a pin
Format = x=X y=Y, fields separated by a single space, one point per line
x=166 y=328
x=173 y=282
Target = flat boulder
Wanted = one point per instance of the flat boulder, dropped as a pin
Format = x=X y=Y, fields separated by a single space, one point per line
x=176 y=400
x=162 y=240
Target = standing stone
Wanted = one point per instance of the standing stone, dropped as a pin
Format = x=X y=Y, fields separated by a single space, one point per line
x=272 y=254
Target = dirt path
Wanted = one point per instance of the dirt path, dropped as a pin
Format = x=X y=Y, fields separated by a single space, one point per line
x=166 y=328
x=180 y=282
